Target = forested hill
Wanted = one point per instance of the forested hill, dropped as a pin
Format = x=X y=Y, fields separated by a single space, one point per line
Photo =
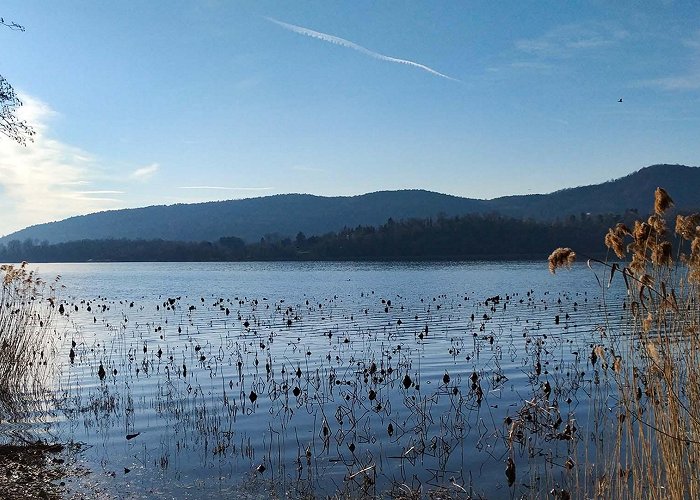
x=286 y=215
x=250 y=219
x=632 y=192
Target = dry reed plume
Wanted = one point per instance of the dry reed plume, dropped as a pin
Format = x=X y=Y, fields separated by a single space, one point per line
x=652 y=445
x=561 y=257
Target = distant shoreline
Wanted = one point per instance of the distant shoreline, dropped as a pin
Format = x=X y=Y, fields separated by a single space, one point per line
x=426 y=260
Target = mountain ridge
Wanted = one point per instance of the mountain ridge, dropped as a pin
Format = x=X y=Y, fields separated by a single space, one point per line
x=284 y=215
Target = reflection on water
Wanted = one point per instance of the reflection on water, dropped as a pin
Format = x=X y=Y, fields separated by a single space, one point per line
x=201 y=380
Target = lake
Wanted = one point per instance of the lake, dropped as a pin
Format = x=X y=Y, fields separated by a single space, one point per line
x=200 y=380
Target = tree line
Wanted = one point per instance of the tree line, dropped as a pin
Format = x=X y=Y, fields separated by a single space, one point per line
x=465 y=237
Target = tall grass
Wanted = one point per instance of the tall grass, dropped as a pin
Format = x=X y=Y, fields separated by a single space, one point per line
x=25 y=345
x=651 y=447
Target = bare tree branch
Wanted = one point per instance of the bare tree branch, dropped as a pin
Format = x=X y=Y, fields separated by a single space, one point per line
x=10 y=125
x=12 y=25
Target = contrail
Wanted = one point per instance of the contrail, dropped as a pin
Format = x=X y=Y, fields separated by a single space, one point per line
x=350 y=45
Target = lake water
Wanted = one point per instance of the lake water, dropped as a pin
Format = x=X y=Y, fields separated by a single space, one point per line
x=263 y=379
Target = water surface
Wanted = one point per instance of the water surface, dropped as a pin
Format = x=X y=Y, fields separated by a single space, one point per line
x=324 y=377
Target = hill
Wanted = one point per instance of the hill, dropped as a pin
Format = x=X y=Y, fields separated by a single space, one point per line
x=634 y=191
x=249 y=219
x=285 y=215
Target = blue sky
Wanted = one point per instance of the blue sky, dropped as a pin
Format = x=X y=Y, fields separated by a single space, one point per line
x=143 y=103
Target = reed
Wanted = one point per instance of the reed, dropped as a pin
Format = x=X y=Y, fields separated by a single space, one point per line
x=651 y=447
x=25 y=346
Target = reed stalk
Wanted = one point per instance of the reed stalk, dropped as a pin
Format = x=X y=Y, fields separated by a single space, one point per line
x=656 y=421
x=26 y=314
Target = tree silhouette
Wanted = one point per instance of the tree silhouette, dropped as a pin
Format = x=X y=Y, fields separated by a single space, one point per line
x=10 y=125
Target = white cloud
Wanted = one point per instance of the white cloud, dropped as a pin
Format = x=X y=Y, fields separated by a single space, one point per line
x=226 y=188
x=682 y=82
x=144 y=173
x=101 y=191
x=570 y=39
x=306 y=168
x=37 y=182
x=74 y=183
x=686 y=79
x=531 y=65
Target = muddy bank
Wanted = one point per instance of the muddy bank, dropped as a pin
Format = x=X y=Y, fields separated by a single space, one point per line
x=43 y=471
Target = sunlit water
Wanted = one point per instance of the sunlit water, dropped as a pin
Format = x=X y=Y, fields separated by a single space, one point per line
x=288 y=378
